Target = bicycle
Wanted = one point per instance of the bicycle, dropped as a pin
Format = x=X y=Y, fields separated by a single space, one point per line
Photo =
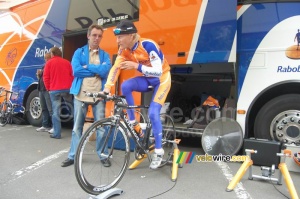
x=91 y=175
x=7 y=108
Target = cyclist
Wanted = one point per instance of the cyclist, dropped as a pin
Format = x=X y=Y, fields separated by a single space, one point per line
x=144 y=56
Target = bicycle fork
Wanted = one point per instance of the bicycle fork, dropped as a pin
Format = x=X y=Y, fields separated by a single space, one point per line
x=110 y=131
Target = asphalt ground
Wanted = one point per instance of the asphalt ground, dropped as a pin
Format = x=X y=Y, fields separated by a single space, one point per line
x=30 y=169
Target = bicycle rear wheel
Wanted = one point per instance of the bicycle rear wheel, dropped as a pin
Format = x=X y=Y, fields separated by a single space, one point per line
x=5 y=109
x=90 y=173
x=169 y=134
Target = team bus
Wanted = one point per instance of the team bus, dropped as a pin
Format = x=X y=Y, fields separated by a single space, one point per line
x=244 y=53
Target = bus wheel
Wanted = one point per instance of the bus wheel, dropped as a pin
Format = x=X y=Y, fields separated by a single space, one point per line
x=279 y=119
x=34 y=109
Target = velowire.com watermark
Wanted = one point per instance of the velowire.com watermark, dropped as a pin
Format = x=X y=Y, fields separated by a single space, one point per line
x=188 y=157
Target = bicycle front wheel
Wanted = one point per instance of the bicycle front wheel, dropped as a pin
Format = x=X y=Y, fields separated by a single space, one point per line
x=92 y=176
x=5 y=109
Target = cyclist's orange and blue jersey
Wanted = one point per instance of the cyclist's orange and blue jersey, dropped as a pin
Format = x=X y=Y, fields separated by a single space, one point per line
x=155 y=72
x=152 y=65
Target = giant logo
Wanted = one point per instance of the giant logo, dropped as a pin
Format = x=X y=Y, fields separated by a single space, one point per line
x=11 y=56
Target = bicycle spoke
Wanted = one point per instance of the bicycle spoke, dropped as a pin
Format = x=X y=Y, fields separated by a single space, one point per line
x=91 y=174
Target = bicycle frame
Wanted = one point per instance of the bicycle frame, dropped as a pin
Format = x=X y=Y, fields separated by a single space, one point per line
x=121 y=115
x=115 y=145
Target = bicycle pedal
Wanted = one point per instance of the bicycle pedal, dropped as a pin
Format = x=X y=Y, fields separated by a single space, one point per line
x=139 y=156
x=139 y=152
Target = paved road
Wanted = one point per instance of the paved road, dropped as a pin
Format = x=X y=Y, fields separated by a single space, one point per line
x=30 y=169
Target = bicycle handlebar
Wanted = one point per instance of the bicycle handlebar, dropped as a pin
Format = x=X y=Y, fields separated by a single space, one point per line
x=7 y=91
x=120 y=100
x=105 y=96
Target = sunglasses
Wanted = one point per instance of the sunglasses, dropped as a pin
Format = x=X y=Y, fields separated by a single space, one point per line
x=118 y=31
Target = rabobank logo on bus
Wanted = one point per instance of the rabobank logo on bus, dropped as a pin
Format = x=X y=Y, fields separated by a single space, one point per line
x=40 y=52
x=288 y=69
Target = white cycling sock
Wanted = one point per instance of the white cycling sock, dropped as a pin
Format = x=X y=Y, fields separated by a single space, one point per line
x=159 y=151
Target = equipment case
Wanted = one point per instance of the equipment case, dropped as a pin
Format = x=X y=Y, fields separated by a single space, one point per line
x=266 y=151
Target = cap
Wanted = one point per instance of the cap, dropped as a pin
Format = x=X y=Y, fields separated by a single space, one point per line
x=125 y=27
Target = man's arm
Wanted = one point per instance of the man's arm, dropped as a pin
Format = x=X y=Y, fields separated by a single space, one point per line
x=46 y=76
x=155 y=56
x=79 y=64
x=113 y=74
x=101 y=69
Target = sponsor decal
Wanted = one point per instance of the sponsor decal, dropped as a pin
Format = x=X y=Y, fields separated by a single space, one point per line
x=288 y=69
x=11 y=56
x=114 y=74
x=164 y=93
x=40 y=52
x=153 y=56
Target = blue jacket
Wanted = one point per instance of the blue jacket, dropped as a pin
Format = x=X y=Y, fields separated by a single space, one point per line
x=81 y=58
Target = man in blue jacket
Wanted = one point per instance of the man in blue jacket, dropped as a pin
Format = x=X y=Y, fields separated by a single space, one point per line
x=91 y=66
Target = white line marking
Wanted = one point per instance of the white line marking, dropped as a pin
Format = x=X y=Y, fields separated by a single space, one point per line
x=13 y=127
x=239 y=190
x=24 y=171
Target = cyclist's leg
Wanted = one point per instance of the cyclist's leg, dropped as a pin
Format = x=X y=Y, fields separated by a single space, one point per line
x=161 y=90
x=80 y=110
x=139 y=84
x=154 y=112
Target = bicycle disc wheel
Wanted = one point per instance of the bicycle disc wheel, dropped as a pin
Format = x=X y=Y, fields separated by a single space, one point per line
x=169 y=134
x=92 y=176
x=4 y=113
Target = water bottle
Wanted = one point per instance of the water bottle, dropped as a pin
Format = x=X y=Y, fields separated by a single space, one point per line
x=143 y=127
